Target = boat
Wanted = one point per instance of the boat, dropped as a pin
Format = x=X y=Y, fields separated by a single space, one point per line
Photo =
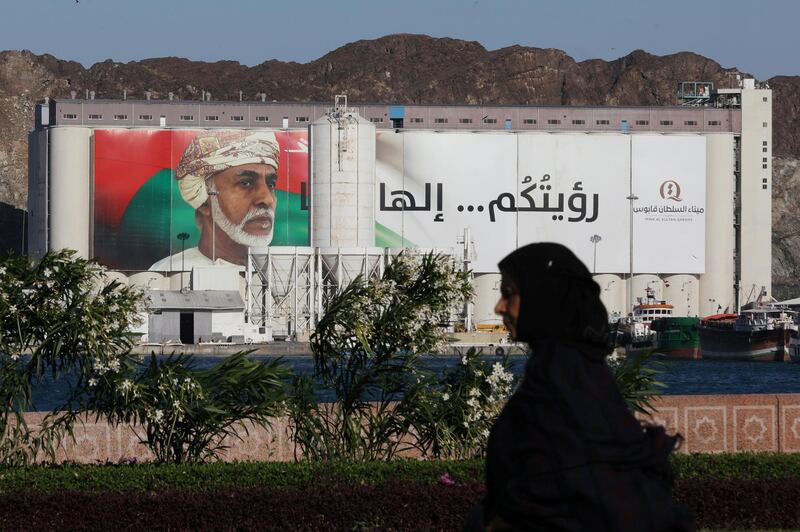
x=676 y=337
x=642 y=337
x=760 y=333
x=794 y=346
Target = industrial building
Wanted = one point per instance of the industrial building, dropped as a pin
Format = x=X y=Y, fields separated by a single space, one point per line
x=675 y=199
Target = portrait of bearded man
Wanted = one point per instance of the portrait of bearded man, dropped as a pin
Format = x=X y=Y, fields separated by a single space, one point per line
x=229 y=178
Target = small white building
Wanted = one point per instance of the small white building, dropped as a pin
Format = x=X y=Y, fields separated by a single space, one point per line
x=195 y=316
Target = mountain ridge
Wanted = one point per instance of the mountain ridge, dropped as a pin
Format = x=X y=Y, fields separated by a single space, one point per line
x=400 y=68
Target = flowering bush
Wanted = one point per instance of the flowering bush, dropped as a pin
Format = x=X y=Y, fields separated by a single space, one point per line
x=366 y=350
x=453 y=417
x=187 y=413
x=58 y=317
x=637 y=379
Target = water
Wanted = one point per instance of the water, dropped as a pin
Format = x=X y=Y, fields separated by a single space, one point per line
x=681 y=377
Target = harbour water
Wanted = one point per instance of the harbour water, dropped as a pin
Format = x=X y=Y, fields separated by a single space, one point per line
x=680 y=377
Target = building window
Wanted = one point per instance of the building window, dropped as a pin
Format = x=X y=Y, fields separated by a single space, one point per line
x=489 y=120
x=376 y=119
x=145 y=117
x=464 y=120
x=262 y=118
x=529 y=121
x=70 y=116
x=764 y=166
x=764 y=187
x=642 y=122
x=120 y=117
x=763 y=124
x=690 y=123
x=212 y=118
x=439 y=120
x=602 y=122
x=186 y=118
x=763 y=142
x=301 y=119
x=714 y=123
x=417 y=120
x=764 y=180
x=553 y=121
x=95 y=117
x=578 y=122
x=764 y=150
x=763 y=159
x=666 y=122
x=764 y=99
x=237 y=118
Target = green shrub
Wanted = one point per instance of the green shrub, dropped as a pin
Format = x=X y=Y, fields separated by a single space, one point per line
x=58 y=317
x=186 y=413
x=366 y=351
x=453 y=416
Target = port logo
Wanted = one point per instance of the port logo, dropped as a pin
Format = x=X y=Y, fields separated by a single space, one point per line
x=670 y=190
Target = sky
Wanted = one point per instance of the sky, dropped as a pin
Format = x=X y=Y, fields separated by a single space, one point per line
x=759 y=37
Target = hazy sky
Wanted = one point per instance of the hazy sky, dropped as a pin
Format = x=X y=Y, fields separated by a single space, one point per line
x=757 y=36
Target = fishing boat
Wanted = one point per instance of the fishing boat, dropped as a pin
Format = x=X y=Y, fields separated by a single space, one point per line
x=760 y=333
x=642 y=336
x=676 y=337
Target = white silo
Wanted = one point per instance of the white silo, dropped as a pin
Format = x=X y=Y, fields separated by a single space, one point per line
x=342 y=180
x=683 y=292
x=612 y=294
x=716 y=287
x=70 y=202
x=487 y=292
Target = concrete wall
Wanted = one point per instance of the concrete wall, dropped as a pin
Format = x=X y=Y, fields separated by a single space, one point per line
x=708 y=424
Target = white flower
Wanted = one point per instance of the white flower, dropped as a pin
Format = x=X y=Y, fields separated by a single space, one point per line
x=466 y=425
x=177 y=405
x=15 y=357
x=175 y=381
x=159 y=415
x=445 y=397
x=474 y=392
x=464 y=360
x=92 y=382
x=485 y=433
x=12 y=308
x=126 y=385
x=113 y=365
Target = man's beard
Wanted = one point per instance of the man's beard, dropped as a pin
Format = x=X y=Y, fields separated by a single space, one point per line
x=237 y=231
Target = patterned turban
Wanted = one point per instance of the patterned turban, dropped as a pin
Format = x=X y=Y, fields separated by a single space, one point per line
x=213 y=151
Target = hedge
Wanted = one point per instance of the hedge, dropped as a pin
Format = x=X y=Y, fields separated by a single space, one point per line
x=742 y=491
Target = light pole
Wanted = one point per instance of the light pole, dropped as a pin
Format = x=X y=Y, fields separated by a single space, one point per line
x=631 y=198
x=594 y=239
x=213 y=228
x=182 y=237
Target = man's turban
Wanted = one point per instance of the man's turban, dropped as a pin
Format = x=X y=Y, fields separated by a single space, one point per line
x=213 y=151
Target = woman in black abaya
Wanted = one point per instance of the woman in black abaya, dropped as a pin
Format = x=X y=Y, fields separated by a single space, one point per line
x=565 y=453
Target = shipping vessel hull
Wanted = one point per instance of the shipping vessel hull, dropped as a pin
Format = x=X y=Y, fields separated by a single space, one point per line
x=729 y=344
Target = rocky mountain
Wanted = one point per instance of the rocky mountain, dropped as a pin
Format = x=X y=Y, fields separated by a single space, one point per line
x=402 y=69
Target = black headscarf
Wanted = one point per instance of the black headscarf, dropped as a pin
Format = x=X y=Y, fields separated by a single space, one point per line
x=559 y=299
x=565 y=453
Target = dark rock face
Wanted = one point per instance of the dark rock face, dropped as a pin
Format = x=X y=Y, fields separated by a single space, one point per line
x=395 y=68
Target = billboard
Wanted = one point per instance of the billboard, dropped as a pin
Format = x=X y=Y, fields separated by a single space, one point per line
x=514 y=189
x=669 y=187
x=155 y=199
